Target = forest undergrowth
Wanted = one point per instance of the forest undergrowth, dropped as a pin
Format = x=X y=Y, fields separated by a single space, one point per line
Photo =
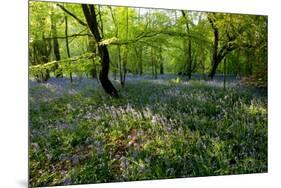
x=165 y=128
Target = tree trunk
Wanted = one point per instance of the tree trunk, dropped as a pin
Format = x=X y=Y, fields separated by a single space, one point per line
x=56 y=47
x=58 y=71
x=120 y=63
x=213 y=70
x=139 y=54
x=215 y=62
x=224 y=74
x=67 y=45
x=44 y=49
x=90 y=15
x=161 y=61
x=189 y=55
x=189 y=59
x=118 y=47
x=238 y=73
x=218 y=54
x=125 y=57
x=152 y=62
x=161 y=68
x=249 y=67
x=140 y=62
x=124 y=68
x=93 y=48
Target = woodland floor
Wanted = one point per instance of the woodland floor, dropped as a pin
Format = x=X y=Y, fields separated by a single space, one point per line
x=157 y=128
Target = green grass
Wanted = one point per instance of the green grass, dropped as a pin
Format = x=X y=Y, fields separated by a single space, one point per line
x=154 y=130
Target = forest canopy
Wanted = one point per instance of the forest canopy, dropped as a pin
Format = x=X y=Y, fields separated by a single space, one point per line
x=144 y=41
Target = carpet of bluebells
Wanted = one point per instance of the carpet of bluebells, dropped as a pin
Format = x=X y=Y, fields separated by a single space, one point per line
x=157 y=128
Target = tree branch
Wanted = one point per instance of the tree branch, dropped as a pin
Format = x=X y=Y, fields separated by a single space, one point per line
x=72 y=15
x=144 y=35
x=90 y=15
x=70 y=36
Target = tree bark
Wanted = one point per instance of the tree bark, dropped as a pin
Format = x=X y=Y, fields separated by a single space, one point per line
x=58 y=71
x=125 y=57
x=56 y=43
x=118 y=64
x=161 y=61
x=152 y=62
x=215 y=49
x=219 y=54
x=93 y=48
x=189 y=53
x=67 y=45
x=138 y=52
x=90 y=15
x=213 y=70
x=140 y=62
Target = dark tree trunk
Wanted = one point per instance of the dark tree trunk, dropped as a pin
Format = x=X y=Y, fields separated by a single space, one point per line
x=67 y=45
x=93 y=48
x=155 y=71
x=117 y=68
x=120 y=63
x=189 y=59
x=249 y=67
x=161 y=61
x=238 y=73
x=35 y=56
x=43 y=49
x=124 y=70
x=152 y=62
x=125 y=56
x=189 y=53
x=58 y=71
x=213 y=70
x=215 y=62
x=140 y=63
x=219 y=54
x=90 y=15
x=139 y=54
x=56 y=49
x=161 y=68
x=123 y=67
x=224 y=74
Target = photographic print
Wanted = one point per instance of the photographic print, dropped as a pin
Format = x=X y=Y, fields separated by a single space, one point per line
x=122 y=93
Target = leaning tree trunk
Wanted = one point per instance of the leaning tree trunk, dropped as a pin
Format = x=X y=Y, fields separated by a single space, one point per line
x=215 y=62
x=212 y=73
x=90 y=15
x=219 y=53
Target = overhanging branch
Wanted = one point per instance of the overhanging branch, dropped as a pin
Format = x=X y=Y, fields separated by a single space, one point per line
x=72 y=15
x=150 y=35
x=70 y=36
